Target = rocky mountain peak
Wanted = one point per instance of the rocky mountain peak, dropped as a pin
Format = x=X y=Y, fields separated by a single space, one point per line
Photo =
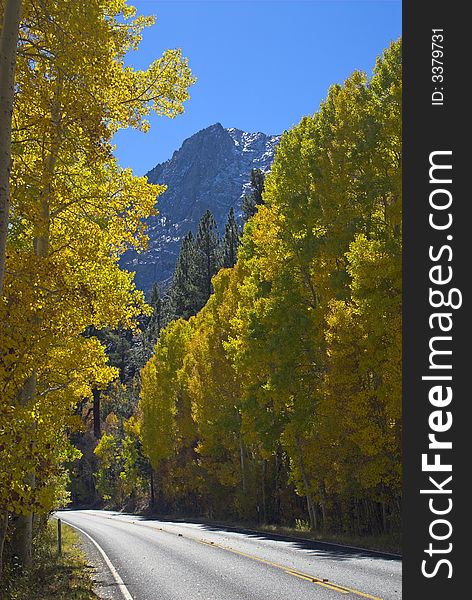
x=211 y=170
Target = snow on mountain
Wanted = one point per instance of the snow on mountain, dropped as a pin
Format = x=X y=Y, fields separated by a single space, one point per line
x=211 y=170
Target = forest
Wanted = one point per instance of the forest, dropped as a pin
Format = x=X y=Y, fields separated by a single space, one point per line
x=266 y=385
x=280 y=399
x=263 y=384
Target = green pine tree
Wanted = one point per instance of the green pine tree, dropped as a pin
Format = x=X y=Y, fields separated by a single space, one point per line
x=207 y=258
x=182 y=298
x=155 y=321
x=231 y=241
x=254 y=198
x=146 y=338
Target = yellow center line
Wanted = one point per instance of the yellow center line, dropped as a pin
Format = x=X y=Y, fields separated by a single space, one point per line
x=317 y=581
x=342 y=589
x=330 y=585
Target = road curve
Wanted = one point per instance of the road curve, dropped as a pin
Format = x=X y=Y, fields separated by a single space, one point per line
x=170 y=560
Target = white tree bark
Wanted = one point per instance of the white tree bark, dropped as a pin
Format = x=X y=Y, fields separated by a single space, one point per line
x=8 y=45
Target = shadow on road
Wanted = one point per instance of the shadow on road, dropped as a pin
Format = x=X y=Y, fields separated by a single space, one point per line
x=325 y=550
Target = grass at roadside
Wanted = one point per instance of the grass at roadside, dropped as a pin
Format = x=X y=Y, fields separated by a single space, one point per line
x=68 y=577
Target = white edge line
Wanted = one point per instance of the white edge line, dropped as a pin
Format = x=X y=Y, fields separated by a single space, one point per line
x=114 y=572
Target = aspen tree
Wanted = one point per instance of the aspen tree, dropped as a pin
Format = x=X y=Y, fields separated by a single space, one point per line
x=74 y=211
x=8 y=43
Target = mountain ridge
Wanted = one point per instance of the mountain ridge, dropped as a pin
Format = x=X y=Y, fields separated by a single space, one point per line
x=211 y=170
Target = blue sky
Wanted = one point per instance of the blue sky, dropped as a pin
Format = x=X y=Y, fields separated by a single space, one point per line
x=261 y=65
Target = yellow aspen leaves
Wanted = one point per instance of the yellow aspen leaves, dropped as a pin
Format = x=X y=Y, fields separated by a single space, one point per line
x=74 y=211
x=297 y=354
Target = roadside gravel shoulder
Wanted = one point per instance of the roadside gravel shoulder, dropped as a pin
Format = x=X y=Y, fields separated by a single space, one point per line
x=104 y=585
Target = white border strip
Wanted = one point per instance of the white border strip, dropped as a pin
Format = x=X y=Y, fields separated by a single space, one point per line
x=114 y=572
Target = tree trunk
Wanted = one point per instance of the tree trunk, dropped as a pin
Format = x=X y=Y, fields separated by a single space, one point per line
x=8 y=44
x=309 y=499
x=3 y=535
x=263 y=488
x=323 y=505
x=241 y=460
x=151 y=486
x=22 y=540
x=241 y=454
x=384 y=517
x=97 y=430
x=23 y=534
x=23 y=523
x=278 y=467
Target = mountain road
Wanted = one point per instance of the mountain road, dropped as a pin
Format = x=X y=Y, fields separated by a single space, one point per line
x=140 y=558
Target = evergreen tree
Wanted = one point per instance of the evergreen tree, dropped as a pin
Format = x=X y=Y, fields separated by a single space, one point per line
x=254 y=198
x=144 y=341
x=281 y=400
x=118 y=345
x=155 y=322
x=231 y=241
x=207 y=258
x=182 y=293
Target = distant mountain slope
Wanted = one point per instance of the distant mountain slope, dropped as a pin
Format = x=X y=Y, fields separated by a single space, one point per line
x=210 y=171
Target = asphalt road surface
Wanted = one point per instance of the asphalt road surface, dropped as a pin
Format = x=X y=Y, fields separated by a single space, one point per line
x=147 y=559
